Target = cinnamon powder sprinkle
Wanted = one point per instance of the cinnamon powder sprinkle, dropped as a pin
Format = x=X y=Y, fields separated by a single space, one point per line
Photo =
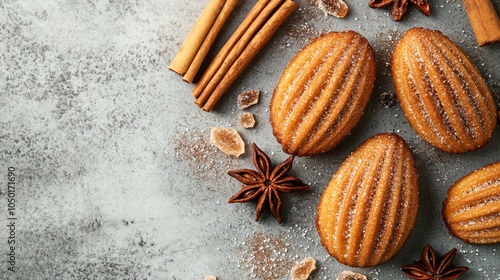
x=266 y=256
x=300 y=27
x=192 y=147
x=198 y=157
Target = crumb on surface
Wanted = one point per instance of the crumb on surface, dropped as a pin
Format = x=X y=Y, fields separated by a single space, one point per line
x=387 y=99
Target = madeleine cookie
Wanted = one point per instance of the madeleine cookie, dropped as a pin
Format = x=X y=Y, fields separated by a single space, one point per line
x=369 y=208
x=472 y=209
x=322 y=93
x=442 y=94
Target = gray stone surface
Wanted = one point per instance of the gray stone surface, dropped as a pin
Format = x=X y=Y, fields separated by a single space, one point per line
x=115 y=178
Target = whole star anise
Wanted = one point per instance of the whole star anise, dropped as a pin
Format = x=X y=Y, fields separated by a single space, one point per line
x=429 y=267
x=264 y=184
x=399 y=7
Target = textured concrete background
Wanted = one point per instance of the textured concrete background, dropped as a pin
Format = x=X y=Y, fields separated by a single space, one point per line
x=116 y=179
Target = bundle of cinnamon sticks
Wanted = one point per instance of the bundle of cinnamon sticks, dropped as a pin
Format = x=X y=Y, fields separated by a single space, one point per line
x=249 y=38
x=195 y=48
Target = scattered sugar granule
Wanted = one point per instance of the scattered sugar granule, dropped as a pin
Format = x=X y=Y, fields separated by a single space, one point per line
x=336 y=8
x=227 y=140
x=248 y=98
x=247 y=120
x=302 y=270
x=349 y=275
x=210 y=277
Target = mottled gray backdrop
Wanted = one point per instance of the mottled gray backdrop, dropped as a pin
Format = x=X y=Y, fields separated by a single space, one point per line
x=115 y=177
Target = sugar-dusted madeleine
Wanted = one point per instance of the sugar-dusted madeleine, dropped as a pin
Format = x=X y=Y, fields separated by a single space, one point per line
x=442 y=94
x=472 y=209
x=369 y=208
x=322 y=93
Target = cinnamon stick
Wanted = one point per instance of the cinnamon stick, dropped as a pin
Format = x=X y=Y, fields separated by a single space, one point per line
x=248 y=40
x=209 y=40
x=199 y=40
x=484 y=21
x=228 y=48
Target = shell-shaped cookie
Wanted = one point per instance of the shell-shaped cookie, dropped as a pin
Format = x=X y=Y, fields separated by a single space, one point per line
x=322 y=93
x=442 y=94
x=369 y=208
x=472 y=209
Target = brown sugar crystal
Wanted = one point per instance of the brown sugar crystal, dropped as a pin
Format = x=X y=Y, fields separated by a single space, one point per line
x=302 y=270
x=228 y=140
x=349 y=275
x=336 y=8
x=248 y=98
x=247 y=120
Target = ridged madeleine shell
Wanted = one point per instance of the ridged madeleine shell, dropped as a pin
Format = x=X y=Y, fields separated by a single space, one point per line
x=472 y=209
x=322 y=93
x=442 y=94
x=369 y=208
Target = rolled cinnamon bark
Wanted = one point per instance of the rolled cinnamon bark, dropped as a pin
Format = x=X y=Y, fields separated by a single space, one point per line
x=255 y=31
x=201 y=37
x=484 y=21
x=209 y=40
x=229 y=51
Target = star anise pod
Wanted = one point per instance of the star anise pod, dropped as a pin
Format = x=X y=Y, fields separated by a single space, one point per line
x=399 y=7
x=266 y=184
x=429 y=267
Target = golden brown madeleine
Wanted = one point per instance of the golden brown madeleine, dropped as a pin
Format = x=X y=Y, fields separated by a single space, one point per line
x=369 y=208
x=322 y=93
x=441 y=92
x=472 y=209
